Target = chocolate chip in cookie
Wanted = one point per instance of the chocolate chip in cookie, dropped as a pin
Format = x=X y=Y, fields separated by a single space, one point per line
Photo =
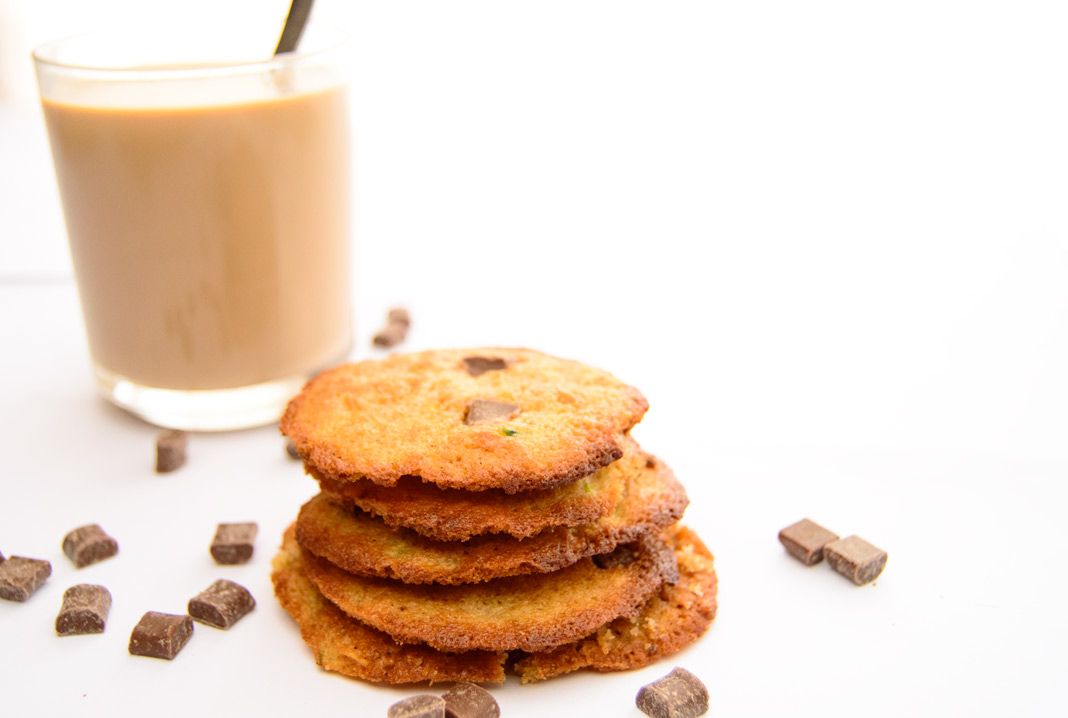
x=483 y=410
x=477 y=365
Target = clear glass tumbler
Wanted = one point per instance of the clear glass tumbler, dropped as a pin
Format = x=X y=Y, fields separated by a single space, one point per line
x=207 y=209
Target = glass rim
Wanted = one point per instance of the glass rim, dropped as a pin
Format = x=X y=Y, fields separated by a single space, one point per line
x=44 y=56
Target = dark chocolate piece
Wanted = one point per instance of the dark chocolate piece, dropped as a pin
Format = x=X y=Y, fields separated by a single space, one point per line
x=805 y=541
x=88 y=544
x=222 y=604
x=171 y=448
x=396 y=330
x=291 y=449
x=2 y=559
x=390 y=335
x=679 y=694
x=420 y=706
x=466 y=700
x=481 y=410
x=399 y=315
x=85 y=610
x=20 y=577
x=160 y=635
x=856 y=559
x=233 y=543
x=477 y=366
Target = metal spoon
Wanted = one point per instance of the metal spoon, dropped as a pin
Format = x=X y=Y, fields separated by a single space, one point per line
x=299 y=10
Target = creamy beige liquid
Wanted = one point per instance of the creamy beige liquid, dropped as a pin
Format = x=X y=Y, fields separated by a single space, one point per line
x=210 y=243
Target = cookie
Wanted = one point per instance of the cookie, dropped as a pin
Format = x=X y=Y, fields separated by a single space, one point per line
x=360 y=543
x=453 y=419
x=526 y=612
x=671 y=620
x=453 y=515
x=353 y=649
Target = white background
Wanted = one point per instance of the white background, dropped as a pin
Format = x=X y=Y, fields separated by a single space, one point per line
x=828 y=240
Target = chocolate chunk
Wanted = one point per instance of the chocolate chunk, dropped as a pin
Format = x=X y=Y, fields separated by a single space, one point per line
x=233 y=543
x=160 y=635
x=466 y=700
x=399 y=315
x=477 y=366
x=805 y=541
x=20 y=577
x=396 y=330
x=856 y=559
x=679 y=694
x=171 y=448
x=481 y=410
x=222 y=604
x=2 y=559
x=291 y=449
x=89 y=544
x=85 y=610
x=421 y=706
x=390 y=335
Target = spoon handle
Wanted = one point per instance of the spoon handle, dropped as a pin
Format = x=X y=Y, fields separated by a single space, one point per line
x=299 y=10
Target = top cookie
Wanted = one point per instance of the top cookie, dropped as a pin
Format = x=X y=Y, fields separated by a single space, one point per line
x=474 y=419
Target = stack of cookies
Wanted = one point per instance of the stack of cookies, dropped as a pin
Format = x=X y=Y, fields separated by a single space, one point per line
x=481 y=510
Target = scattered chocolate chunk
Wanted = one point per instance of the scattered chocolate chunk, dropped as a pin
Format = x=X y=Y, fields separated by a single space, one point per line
x=85 y=610
x=421 y=706
x=398 y=321
x=20 y=577
x=291 y=449
x=679 y=694
x=805 y=541
x=222 y=604
x=399 y=315
x=466 y=700
x=160 y=635
x=481 y=410
x=171 y=448
x=390 y=335
x=233 y=543
x=477 y=366
x=88 y=544
x=856 y=559
x=2 y=559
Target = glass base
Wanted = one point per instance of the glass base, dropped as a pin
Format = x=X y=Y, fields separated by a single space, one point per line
x=200 y=409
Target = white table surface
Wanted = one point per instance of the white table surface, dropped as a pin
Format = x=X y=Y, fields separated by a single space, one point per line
x=827 y=240
x=968 y=618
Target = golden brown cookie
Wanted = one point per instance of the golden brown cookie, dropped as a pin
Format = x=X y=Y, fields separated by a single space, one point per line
x=350 y=648
x=671 y=620
x=453 y=515
x=474 y=419
x=526 y=612
x=651 y=499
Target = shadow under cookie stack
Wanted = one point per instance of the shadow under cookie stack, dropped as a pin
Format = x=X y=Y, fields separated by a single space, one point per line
x=485 y=510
